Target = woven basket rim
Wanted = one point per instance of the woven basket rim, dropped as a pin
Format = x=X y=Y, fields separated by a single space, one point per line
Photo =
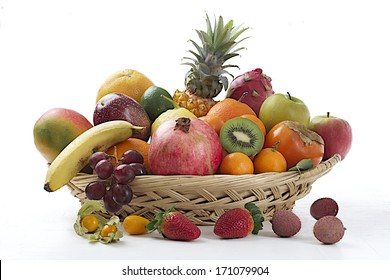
x=204 y=198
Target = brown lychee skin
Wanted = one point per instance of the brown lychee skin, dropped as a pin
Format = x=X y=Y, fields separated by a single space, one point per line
x=324 y=207
x=329 y=230
x=285 y=223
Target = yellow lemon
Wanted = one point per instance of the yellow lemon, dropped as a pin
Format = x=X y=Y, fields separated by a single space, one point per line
x=129 y=82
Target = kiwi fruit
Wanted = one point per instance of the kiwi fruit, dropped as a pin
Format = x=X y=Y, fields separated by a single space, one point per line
x=325 y=206
x=329 y=230
x=285 y=223
x=241 y=135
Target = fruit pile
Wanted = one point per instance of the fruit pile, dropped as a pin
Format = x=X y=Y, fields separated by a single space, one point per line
x=139 y=128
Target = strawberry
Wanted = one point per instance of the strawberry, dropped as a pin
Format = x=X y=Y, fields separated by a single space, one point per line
x=239 y=222
x=174 y=225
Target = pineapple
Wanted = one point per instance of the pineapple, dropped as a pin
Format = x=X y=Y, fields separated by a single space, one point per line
x=207 y=76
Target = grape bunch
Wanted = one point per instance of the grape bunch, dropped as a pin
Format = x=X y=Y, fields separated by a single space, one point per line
x=114 y=186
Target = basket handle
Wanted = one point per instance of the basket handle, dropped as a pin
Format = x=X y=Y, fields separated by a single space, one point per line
x=322 y=168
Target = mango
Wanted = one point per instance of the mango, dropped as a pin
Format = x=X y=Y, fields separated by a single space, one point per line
x=56 y=128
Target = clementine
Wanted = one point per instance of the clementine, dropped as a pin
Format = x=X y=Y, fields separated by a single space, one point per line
x=236 y=164
x=269 y=160
x=131 y=144
x=214 y=121
x=257 y=121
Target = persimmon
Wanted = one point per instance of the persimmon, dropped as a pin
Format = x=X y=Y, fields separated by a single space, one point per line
x=236 y=164
x=296 y=142
x=270 y=160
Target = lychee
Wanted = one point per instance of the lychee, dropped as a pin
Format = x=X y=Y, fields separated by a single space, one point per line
x=329 y=230
x=285 y=223
x=324 y=207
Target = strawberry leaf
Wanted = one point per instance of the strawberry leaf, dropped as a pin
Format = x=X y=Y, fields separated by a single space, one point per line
x=257 y=217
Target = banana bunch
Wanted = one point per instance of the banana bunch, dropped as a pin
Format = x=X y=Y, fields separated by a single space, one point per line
x=76 y=155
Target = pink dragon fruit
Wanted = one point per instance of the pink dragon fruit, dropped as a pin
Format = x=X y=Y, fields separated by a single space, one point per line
x=252 y=88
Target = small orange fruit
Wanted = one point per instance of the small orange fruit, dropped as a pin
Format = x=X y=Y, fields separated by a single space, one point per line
x=131 y=144
x=257 y=121
x=269 y=160
x=128 y=82
x=135 y=225
x=90 y=222
x=214 y=121
x=236 y=164
x=107 y=229
x=229 y=108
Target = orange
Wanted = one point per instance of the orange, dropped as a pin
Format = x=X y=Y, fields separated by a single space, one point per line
x=214 y=121
x=257 y=121
x=269 y=160
x=230 y=108
x=135 y=225
x=131 y=144
x=129 y=82
x=236 y=164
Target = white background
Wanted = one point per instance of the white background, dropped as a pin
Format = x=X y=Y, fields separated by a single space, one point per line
x=334 y=55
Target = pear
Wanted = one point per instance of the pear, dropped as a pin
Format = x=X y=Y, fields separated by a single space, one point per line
x=176 y=112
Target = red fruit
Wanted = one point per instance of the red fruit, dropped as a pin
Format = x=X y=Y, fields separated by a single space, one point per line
x=185 y=146
x=174 y=226
x=239 y=222
x=252 y=88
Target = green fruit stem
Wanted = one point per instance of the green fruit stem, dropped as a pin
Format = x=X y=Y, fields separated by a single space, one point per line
x=242 y=96
x=275 y=147
x=289 y=95
x=328 y=114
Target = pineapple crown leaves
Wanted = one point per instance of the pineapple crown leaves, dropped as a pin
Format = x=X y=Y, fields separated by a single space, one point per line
x=218 y=44
x=257 y=216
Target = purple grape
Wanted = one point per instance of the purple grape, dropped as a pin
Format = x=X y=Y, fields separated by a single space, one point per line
x=104 y=169
x=132 y=156
x=122 y=194
x=124 y=174
x=95 y=190
x=96 y=157
x=139 y=168
x=109 y=202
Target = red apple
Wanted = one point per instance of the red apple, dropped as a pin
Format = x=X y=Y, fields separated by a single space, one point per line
x=336 y=132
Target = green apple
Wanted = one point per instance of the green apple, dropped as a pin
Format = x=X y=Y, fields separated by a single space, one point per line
x=283 y=107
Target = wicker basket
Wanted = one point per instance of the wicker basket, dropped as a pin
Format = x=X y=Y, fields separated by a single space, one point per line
x=204 y=198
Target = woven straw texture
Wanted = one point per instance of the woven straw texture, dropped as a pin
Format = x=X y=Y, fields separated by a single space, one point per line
x=203 y=199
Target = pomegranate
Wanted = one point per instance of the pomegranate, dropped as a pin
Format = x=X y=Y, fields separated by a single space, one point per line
x=185 y=146
x=252 y=88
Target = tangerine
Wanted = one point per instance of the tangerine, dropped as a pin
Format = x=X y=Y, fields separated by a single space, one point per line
x=236 y=163
x=257 y=121
x=131 y=144
x=214 y=121
x=269 y=160
x=229 y=108
x=128 y=82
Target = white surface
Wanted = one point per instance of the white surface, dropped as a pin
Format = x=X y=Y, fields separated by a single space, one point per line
x=333 y=56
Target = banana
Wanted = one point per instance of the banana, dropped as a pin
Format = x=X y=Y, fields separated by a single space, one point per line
x=76 y=155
